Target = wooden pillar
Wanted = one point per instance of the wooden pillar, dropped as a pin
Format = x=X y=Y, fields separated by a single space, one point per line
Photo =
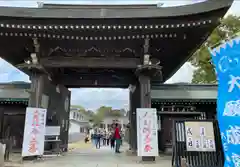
x=136 y=99
x=145 y=87
x=129 y=120
x=44 y=90
x=1 y=123
x=134 y=104
x=145 y=72
x=37 y=85
x=145 y=99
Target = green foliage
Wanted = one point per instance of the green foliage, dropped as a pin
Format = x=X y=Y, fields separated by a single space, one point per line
x=201 y=59
x=116 y=113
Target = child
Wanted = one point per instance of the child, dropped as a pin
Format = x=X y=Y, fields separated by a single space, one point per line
x=86 y=139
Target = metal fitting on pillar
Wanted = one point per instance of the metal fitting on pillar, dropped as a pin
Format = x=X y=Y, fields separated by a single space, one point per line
x=146 y=59
x=34 y=58
x=146 y=46
x=57 y=89
x=147 y=68
x=36 y=45
x=132 y=88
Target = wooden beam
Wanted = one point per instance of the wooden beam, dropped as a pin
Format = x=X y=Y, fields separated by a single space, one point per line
x=90 y=62
x=100 y=81
x=91 y=83
x=178 y=113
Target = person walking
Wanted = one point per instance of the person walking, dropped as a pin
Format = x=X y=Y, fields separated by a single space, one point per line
x=117 y=137
x=104 y=136
x=112 y=140
x=92 y=136
x=122 y=137
x=98 y=139
x=108 y=138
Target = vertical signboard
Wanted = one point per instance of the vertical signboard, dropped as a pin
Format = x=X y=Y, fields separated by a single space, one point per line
x=199 y=136
x=226 y=59
x=147 y=139
x=34 y=132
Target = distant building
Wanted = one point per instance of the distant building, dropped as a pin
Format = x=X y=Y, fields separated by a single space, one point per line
x=108 y=121
x=79 y=125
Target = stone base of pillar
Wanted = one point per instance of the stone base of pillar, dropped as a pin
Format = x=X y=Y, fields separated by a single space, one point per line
x=30 y=158
x=148 y=159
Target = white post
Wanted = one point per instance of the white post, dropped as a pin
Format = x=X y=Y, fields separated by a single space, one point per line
x=2 y=152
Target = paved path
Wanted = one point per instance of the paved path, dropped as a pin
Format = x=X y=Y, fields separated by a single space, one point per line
x=92 y=157
x=79 y=145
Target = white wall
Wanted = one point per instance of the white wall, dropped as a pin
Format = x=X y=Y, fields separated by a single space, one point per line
x=76 y=115
x=77 y=122
x=74 y=133
x=74 y=127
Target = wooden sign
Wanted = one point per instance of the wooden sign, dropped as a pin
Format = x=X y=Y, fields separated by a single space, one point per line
x=147 y=132
x=200 y=136
x=34 y=132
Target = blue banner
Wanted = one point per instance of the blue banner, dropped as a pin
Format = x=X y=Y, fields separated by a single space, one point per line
x=226 y=59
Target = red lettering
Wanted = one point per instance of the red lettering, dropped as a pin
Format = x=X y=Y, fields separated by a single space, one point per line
x=33 y=145
x=35 y=119
x=148 y=139
x=147 y=148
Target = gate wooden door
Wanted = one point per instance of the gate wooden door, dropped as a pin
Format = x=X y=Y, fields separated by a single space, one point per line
x=167 y=126
x=167 y=131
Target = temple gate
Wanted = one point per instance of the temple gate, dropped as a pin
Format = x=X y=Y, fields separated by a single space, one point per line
x=62 y=47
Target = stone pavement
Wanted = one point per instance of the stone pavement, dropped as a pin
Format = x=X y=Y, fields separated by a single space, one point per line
x=79 y=145
x=92 y=157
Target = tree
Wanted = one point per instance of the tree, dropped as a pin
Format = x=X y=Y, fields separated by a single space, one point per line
x=105 y=111
x=117 y=113
x=201 y=59
x=77 y=106
x=100 y=114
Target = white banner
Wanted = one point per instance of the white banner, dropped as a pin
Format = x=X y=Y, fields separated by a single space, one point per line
x=147 y=132
x=34 y=132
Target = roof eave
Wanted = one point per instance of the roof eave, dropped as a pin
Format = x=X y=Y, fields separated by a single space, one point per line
x=103 y=13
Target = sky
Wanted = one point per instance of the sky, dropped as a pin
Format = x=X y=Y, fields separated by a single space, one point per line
x=94 y=98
